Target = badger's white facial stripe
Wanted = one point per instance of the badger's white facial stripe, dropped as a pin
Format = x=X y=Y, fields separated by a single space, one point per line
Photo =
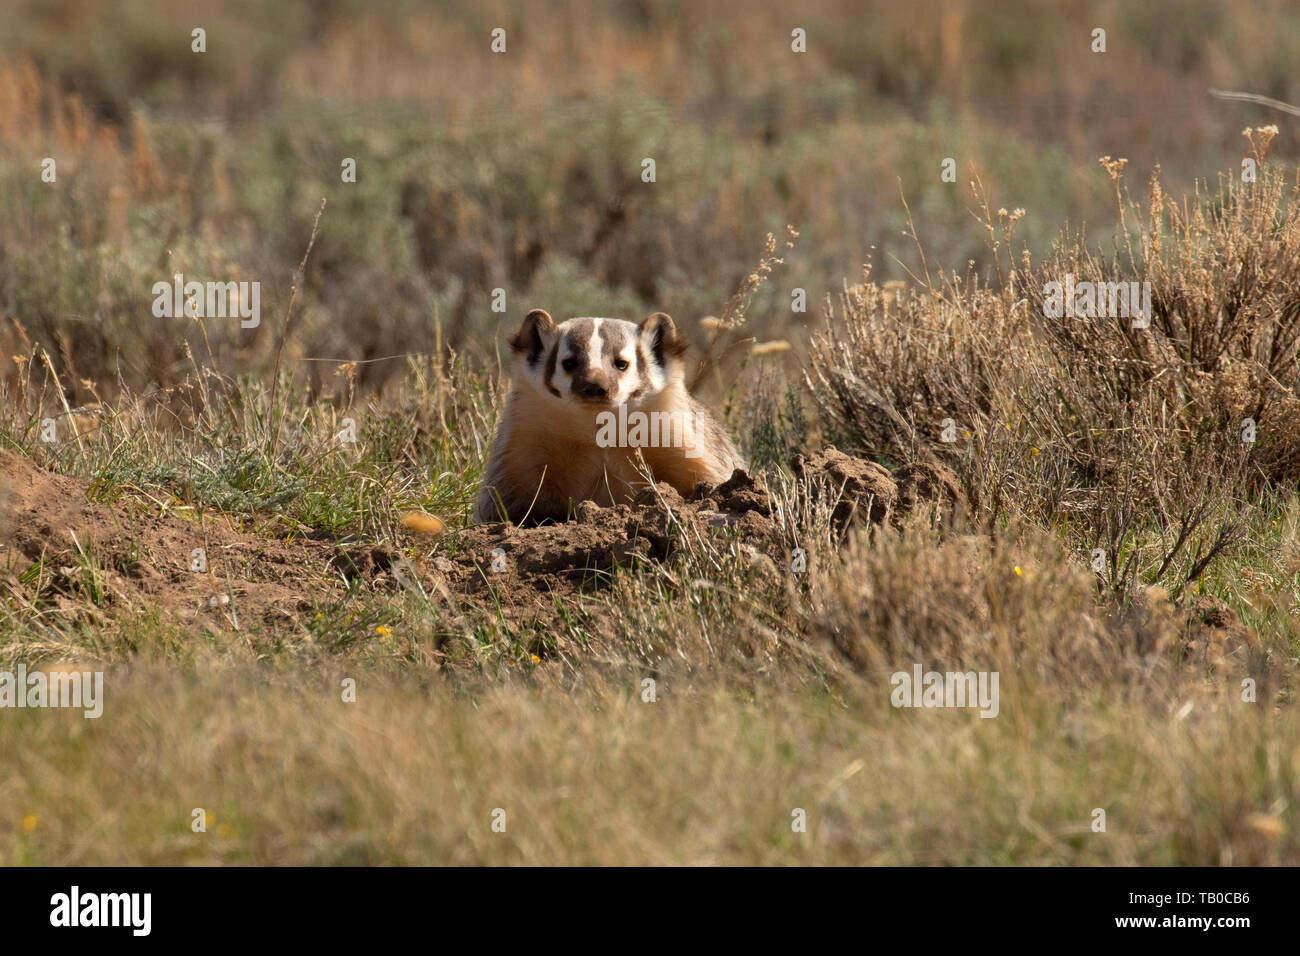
x=596 y=345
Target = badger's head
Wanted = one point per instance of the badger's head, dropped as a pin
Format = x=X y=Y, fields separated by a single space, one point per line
x=598 y=363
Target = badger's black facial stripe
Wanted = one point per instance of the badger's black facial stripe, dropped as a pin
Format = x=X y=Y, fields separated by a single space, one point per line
x=550 y=372
x=616 y=338
x=641 y=365
x=577 y=340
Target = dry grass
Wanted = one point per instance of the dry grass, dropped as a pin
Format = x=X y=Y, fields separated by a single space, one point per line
x=288 y=774
x=1121 y=688
x=1090 y=425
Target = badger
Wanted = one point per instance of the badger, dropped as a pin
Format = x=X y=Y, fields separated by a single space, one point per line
x=597 y=409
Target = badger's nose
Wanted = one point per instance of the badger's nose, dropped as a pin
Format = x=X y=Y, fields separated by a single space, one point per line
x=589 y=388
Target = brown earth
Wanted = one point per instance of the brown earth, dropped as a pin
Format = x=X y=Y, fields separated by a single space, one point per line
x=142 y=553
x=141 y=549
x=1212 y=630
x=858 y=488
x=138 y=552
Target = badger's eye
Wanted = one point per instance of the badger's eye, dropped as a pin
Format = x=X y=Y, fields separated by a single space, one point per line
x=569 y=364
x=620 y=364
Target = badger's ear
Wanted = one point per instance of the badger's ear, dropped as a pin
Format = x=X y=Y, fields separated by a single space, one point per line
x=534 y=335
x=658 y=337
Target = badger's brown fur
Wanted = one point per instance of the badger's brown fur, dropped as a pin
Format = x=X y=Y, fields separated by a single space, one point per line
x=552 y=447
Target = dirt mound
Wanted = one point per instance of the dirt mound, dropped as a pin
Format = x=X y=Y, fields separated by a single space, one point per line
x=738 y=494
x=858 y=487
x=60 y=546
x=930 y=482
x=582 y=553
x=1213 y=630
x=138 y=552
